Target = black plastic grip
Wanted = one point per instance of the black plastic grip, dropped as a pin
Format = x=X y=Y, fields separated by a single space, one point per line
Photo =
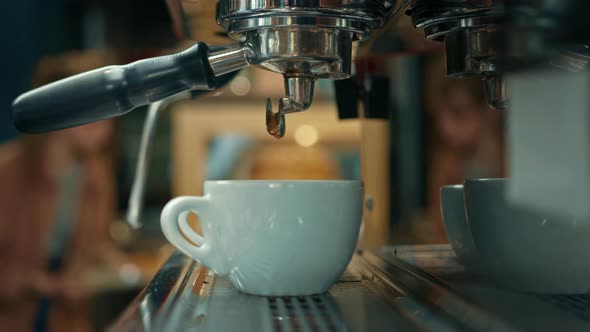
x=111 y=91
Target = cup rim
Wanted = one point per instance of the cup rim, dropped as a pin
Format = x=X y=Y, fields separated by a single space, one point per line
x=487 y=180
x=229 y=182
x=451 y=186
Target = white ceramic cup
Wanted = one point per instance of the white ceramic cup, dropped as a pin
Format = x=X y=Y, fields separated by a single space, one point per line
x=526 y=251
x=271 y=237
x=455 y=222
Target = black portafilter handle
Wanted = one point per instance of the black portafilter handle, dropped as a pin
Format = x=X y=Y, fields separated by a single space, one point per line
x=112 y=91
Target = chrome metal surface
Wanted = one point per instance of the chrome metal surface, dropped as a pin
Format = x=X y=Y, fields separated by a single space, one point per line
x=494 y=86
x=492 y=37
x=358 y=16
x=275 y=121
x=229 y=58
x=427 y=291
x=573 y=61
x=406 y=288
x=145 y=151
x=303 y=40
x=536 y=29
x=480 y=51
x=458 y=24
x=438 y=18
x=578 y=305
x=164 y=289
x=472 y=294
x=474 y=39
x=299 y=96
x=302 y=55
x=311 y=51
x=186 y=296
x=473 y=52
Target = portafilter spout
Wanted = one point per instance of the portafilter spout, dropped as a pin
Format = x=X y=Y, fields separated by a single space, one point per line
x=299 y=91
x=302 y=40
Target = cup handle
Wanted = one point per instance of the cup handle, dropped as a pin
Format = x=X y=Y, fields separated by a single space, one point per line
x=174 y=222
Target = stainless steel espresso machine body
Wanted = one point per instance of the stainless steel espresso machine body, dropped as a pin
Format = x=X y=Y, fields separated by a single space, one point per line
x=302 y=40
x=509 y=44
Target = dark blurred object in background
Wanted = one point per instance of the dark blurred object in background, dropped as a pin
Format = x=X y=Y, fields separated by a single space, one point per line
x=59 y=197
x=33 y=29
x=465 y=137
x=56 y=205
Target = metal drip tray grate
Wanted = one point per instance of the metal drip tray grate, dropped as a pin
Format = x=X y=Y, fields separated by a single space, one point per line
x=343 y=309
x=185 y=296
x=523 y=310
x=419 y=288
x=304 y=314
x=578 y=305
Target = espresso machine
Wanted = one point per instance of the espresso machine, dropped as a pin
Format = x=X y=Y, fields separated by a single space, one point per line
x=514 y=46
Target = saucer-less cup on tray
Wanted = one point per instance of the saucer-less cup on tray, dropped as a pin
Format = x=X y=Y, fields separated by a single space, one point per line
x=527 y=251
x=271 y=237
x=455 y=222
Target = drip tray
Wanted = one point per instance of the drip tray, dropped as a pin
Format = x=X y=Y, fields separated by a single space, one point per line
x=229 y=310
x=418 y=288
x=211 y=303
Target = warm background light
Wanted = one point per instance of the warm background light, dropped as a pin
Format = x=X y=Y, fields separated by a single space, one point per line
x=240 y=86
x=306 y=135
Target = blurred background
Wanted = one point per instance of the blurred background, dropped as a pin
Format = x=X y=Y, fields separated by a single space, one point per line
x=69 y=260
